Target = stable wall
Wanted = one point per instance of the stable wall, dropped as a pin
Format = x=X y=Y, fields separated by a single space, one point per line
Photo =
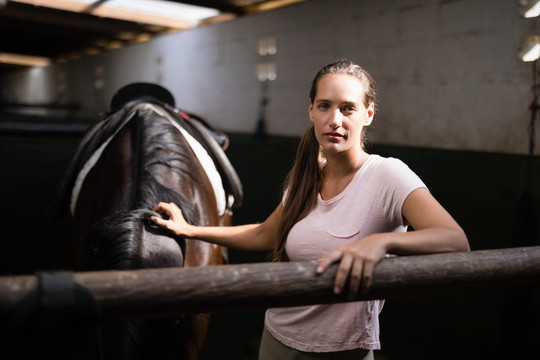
x=447 y=71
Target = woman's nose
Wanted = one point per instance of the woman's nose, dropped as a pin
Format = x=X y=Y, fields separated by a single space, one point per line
x=336 y=119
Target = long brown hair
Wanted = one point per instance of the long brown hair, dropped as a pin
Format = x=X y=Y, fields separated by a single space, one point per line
x=305 y=178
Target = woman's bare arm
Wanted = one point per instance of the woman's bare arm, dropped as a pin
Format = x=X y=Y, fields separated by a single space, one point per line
x=435 y=232
x=253 y=237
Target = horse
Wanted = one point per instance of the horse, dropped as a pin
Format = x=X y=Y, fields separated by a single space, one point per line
x=144 y=151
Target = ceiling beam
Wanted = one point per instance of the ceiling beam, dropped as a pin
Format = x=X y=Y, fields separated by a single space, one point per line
x=112 y=12
x=269 y=5
x=222 y=6
x=94 y=6
x=54 y=18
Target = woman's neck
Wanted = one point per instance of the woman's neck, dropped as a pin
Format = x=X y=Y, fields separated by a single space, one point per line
x=339 y=172
x=343 y=164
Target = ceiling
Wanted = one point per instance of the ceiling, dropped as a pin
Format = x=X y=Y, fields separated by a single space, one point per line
x=59 y=30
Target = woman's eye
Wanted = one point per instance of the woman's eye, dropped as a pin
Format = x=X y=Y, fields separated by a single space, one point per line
x=348 y=108
x=323 y=106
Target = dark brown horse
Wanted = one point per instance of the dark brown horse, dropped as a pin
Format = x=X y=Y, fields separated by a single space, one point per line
x=146 y=151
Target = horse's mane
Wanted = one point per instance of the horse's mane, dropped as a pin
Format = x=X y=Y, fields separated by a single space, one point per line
x=162 y=137
x=212 y=140
x=117 y=236
x=115 y=241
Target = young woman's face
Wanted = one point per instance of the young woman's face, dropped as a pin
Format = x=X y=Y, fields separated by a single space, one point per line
x=339 y=114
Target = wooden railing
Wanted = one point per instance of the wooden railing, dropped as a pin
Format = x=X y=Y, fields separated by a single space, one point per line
x=175 y=291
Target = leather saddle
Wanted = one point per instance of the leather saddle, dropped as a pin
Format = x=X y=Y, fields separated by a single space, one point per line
x=214 y=142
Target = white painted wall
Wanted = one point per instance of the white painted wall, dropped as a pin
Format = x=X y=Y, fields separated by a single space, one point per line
x=447 y=71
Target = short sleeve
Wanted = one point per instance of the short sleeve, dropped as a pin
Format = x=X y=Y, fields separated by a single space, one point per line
x=397 y=182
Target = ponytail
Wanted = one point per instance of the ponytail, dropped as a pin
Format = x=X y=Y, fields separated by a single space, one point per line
x=302 y=186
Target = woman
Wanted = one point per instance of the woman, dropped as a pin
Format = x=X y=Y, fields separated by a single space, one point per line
x=343 y=205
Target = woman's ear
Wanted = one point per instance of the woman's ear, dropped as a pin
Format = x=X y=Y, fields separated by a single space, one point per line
x=370 y=113
x=310 y=109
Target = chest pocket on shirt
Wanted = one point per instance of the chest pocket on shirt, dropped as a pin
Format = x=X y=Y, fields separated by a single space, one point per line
x=341 y=236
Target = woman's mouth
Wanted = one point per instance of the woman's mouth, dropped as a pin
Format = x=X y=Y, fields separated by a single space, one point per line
x=333 y=136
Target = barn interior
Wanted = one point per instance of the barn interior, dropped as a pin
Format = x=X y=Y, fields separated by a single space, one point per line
x=458 y=86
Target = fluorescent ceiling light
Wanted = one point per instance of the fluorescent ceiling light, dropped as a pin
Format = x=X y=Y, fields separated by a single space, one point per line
x=25 y=60
x=532 y=55
x=165 y=8
x=533 y=11
x=530 y=48
x=155 y=12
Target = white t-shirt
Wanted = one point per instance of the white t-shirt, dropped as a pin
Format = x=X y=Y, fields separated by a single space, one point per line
x=371 y=203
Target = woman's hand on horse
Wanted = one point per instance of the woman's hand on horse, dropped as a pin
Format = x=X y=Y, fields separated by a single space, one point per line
x=175 y=222
x=357 y=261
